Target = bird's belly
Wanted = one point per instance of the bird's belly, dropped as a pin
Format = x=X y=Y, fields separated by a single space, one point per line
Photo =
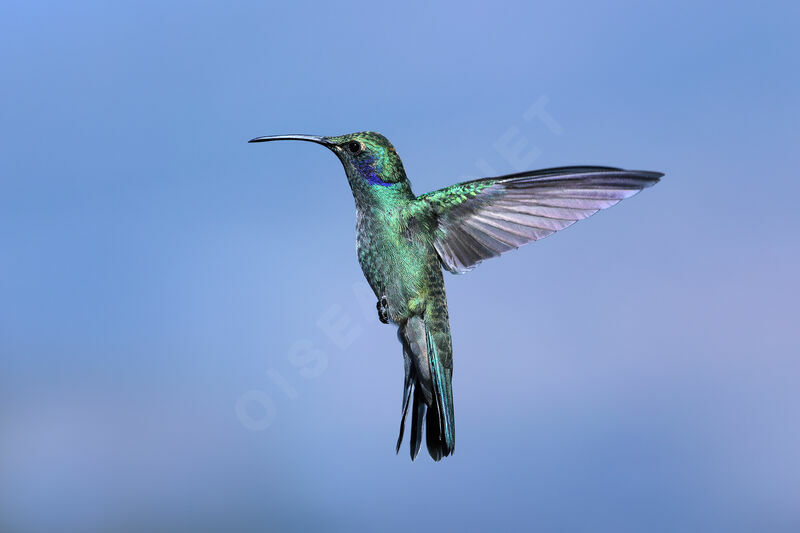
x=397 y=270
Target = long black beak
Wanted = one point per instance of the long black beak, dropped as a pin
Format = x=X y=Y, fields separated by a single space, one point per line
x=311 y=138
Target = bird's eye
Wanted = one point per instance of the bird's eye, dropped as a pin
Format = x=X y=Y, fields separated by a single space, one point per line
x=354 y=147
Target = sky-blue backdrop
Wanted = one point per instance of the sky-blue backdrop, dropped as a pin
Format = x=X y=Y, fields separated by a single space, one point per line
x=636 y=372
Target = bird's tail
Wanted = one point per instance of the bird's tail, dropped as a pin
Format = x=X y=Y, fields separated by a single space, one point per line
x=429 y=381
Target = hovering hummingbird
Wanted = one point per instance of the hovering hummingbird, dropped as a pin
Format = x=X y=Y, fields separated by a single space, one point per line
x=403 y=241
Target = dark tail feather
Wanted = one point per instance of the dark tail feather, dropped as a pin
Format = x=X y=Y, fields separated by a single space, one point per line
x=406 y=399
x=441 y=421
x=417 y=417
x=433 y=435
x=439 y=445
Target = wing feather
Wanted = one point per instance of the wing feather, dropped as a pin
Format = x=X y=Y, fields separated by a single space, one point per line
x=484 y=218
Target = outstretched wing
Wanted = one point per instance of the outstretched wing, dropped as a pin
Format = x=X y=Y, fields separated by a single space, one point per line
x=484 y=218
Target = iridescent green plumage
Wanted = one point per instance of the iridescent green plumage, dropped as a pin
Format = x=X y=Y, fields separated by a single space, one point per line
x=403 y=241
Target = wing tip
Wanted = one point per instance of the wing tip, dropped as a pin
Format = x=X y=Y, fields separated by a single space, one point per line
x=650 y=176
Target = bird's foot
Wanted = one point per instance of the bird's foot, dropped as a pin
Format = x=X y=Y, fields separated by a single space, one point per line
x=383 y=310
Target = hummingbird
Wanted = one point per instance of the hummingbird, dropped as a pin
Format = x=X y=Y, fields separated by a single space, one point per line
x=404 y=241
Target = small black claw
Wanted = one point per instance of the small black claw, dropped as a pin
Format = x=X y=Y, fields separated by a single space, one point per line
x=383 y=310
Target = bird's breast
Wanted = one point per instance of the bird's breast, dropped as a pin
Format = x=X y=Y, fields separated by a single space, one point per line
x=393 y=260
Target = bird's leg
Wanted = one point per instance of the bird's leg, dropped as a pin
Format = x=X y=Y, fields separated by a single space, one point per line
x=383 y=310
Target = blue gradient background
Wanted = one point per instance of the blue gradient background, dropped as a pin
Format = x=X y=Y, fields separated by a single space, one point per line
x=637 y=372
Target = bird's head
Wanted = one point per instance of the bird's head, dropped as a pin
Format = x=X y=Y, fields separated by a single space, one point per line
x=373 y=167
